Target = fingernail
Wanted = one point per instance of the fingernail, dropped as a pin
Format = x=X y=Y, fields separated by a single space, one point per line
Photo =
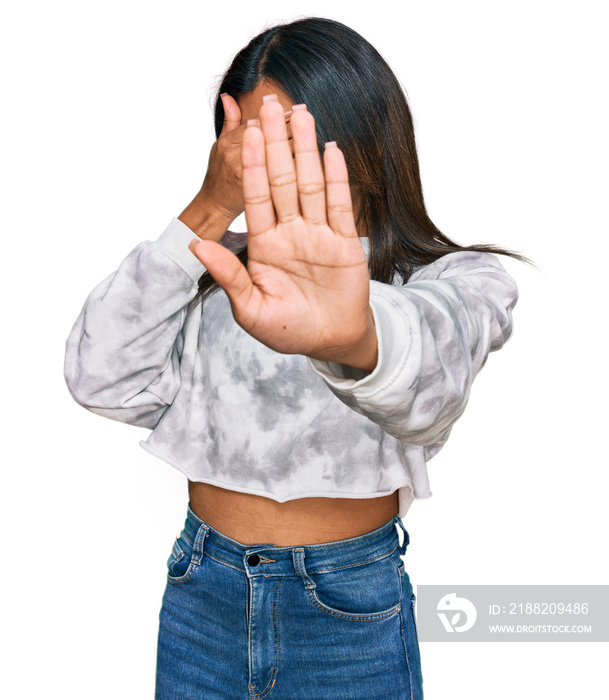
x=223 y=93
x=331 y=144
x=303 y=106
x=270 y=98
x=253 y=122
x=287 y=114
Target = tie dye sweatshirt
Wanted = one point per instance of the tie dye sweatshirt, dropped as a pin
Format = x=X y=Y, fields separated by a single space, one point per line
x=225 y=409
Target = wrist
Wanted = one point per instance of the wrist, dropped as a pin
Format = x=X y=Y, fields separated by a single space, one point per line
x=204 y=218
x=362 y=355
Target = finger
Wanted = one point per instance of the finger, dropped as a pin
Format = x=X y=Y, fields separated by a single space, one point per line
x=288 y=126
x=232 y=113
x=310 y=176
x=279 y=161
x=257 y=201
x=227 y=270
x=338 y=194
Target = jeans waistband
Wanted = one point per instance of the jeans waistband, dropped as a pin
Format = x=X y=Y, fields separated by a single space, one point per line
x=269 y=559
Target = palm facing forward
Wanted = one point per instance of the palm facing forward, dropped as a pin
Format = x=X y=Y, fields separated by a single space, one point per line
x=305 y=289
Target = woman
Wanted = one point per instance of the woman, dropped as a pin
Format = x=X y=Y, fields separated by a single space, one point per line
x=300 y=376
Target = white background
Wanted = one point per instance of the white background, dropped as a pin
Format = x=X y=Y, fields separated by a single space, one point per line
x=105 y=137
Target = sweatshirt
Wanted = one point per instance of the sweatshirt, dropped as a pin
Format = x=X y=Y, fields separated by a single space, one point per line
x=225 y=409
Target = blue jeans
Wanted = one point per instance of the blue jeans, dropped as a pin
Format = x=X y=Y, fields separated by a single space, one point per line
x=333 y=620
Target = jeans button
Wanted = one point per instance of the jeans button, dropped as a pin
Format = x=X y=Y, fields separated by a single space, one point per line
x=253 y=560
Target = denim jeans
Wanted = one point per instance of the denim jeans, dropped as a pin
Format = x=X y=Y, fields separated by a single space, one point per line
x=333 y=620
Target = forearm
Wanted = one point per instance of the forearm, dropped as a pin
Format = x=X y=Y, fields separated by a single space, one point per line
x=123 y=353
x=434 y=336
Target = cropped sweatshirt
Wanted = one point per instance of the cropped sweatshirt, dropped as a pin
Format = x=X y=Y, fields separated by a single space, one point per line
x=225 y=409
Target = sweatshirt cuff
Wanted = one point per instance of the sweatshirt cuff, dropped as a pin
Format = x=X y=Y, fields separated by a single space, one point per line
x=174 y=242
x=394 y=344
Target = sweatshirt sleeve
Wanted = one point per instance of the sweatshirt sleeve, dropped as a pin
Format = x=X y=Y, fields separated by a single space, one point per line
x=122 y=357
x=434 y=336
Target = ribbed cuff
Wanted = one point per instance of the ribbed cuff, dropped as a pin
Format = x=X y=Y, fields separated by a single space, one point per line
x=174 y=242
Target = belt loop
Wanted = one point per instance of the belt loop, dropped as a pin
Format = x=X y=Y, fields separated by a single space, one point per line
x=406 y=541
x=199 y=543
x=299 y=565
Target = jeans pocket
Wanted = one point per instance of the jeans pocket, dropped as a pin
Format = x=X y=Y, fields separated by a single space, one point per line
x=180 y=566
x=363 y=591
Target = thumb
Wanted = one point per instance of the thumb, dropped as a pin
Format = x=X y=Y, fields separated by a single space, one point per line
x=232 y=113
x=228 y=271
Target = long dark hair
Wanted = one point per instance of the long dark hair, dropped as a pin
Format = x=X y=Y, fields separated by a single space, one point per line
x=358 y=102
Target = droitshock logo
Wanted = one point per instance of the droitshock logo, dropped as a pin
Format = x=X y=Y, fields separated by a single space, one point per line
x=456 y=608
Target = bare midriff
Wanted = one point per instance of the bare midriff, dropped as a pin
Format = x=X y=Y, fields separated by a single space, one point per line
x=252 y=519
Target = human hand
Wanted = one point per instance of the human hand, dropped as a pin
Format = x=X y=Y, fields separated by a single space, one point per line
x=305 y=289
x=223 y=185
